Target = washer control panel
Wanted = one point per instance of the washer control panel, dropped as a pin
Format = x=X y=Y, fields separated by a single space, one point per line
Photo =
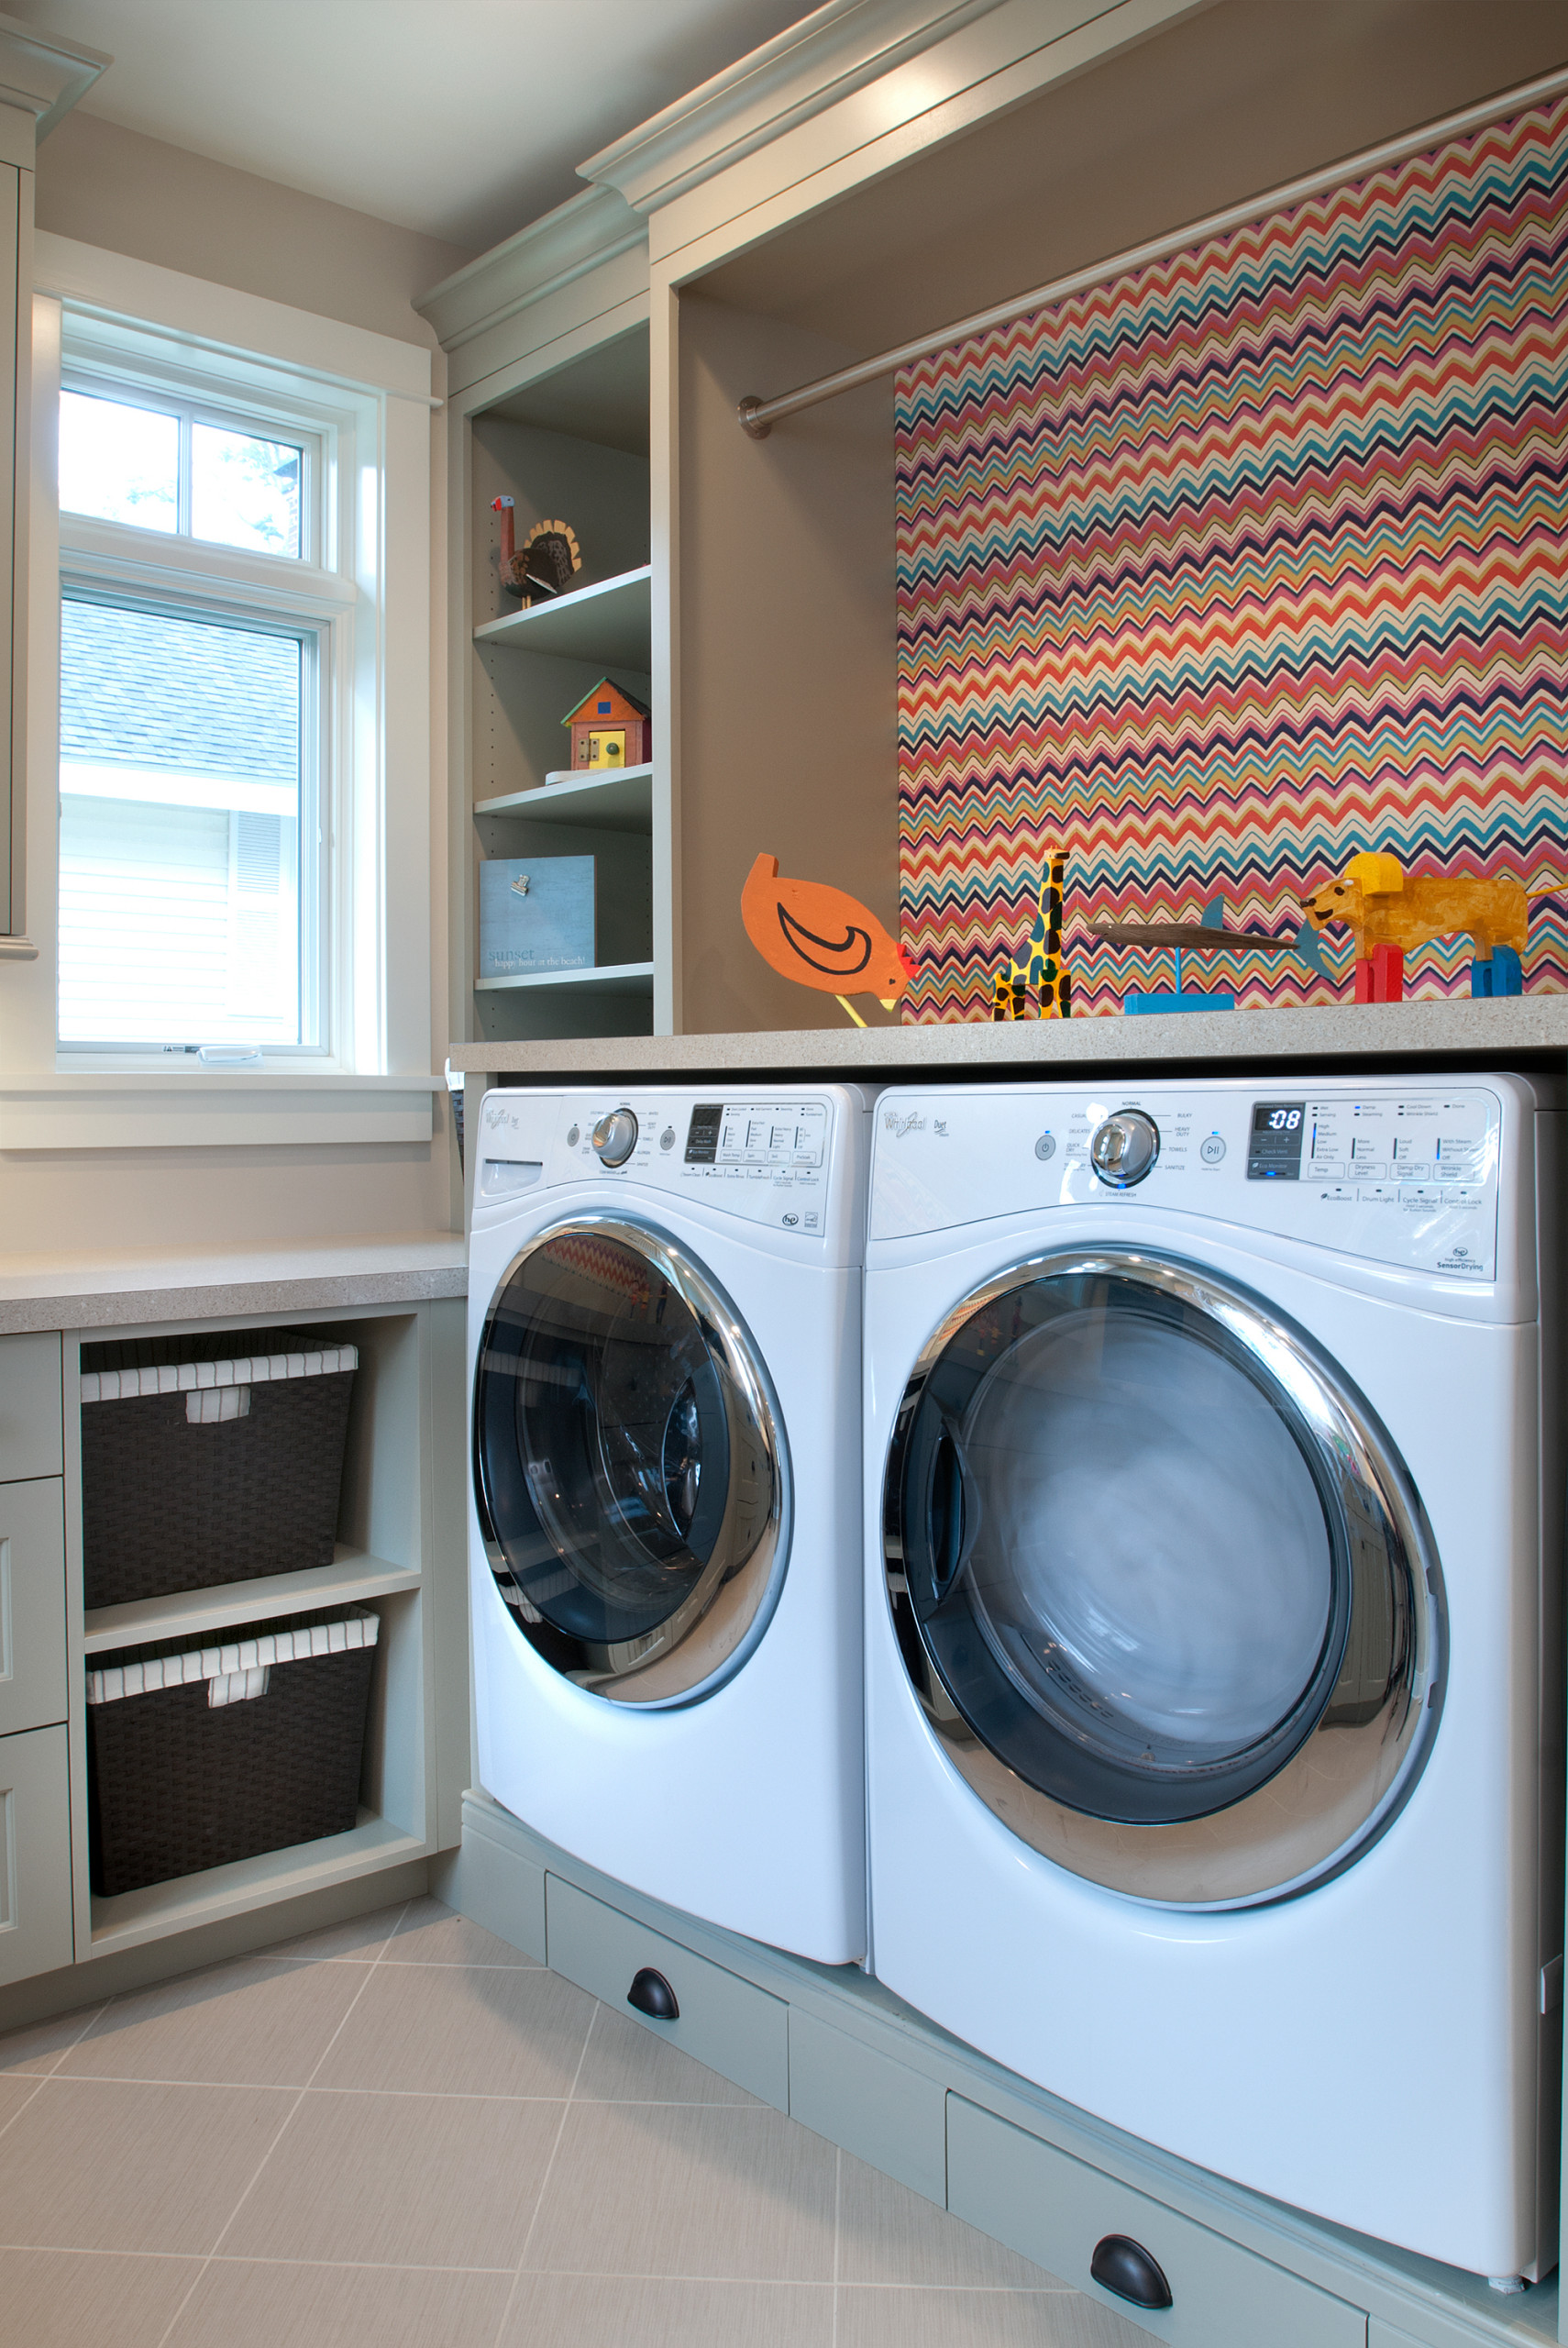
x=767 y=1160
x=1404 y=1174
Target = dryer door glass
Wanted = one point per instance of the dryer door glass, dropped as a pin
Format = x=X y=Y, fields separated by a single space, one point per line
x=1143 y=1548
x=628 y=1463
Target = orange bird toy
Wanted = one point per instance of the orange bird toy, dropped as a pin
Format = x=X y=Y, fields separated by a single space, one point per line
x=822 y=937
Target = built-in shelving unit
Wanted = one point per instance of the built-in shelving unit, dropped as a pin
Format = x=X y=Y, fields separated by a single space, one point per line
x=389 y=1533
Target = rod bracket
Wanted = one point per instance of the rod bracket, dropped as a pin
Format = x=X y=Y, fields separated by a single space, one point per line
x=748 y=412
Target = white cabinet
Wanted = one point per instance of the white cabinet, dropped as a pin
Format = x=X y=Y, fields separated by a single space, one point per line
x=35 y=1853
x=32 y=1604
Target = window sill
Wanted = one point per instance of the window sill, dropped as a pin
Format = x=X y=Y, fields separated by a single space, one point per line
x=211 y=1109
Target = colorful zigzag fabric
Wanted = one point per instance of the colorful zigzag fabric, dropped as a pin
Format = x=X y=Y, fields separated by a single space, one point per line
x=1237 y=565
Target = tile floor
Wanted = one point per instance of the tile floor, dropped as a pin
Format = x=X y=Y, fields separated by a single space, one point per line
x=400 y=2132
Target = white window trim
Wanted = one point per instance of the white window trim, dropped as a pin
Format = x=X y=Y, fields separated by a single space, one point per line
x=379 y=1086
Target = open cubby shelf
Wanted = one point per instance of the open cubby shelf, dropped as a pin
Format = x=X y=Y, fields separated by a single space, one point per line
x=353 y=1576
x=610 y=622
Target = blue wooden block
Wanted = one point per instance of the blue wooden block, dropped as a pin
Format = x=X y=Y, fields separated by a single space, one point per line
x=1479 y=978
x=1507 y=972
x=1135 y=1004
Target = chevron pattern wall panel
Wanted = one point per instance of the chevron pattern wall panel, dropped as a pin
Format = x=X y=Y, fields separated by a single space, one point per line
x=1233 y=567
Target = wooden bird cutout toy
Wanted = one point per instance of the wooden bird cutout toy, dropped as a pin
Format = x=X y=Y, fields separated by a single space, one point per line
x=822 y=937
x=545 y=563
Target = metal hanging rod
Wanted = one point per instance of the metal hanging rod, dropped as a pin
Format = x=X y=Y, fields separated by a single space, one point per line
x=758 y=417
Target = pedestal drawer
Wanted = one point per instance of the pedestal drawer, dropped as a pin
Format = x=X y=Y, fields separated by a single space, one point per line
x=34 y=1854
x=723 y=2022
x=1058 y=2211
x=32 y=1604
x=31 y=1435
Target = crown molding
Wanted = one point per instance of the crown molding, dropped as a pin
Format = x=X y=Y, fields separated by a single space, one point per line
x=802 y=72
x=576 y=237
x=44 y=74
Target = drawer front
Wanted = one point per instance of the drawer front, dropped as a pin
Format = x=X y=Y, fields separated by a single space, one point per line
x=30 y=1424
x=32 y=1604
x=728 y=2024
x=1055 y=2210
x=35 y=1853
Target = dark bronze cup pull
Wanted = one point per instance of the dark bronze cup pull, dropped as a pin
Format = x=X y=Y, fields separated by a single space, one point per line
x=1124 y=2267
x=652 y=1995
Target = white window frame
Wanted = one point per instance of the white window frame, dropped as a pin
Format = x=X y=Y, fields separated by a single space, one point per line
x=368 y=398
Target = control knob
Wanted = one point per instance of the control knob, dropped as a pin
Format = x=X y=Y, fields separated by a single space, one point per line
x=1124 y=1147
x=615 y=1136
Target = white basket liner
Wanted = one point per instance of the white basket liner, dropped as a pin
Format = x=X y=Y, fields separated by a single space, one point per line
x=186 y=1377
x=356 y=1630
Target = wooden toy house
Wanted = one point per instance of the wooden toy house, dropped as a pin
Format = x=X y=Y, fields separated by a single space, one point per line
x=609 y=728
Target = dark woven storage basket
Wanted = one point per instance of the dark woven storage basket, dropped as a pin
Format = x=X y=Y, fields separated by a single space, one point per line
x=176 y=1785
x=168 y=1506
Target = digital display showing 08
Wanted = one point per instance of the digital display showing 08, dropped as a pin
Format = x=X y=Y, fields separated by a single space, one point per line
x=1273 y=1148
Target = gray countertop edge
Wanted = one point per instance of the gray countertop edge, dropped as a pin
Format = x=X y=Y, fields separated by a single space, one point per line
x=1393 y=1031
x=108 y=1297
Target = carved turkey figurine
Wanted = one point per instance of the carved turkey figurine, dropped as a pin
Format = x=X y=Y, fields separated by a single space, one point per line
x=822 y=937
x=547 y=562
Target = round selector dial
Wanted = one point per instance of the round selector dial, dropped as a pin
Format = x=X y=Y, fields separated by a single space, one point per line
x=615 y=1136
x=1124 y=1147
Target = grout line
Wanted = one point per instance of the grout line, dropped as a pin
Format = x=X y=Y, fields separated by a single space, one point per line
x=545 y=2180
x=41 y=2078
x=837 y=2231
x=272 y=2147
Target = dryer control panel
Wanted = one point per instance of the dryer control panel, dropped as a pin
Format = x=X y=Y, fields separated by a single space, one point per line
x=1404 y=1174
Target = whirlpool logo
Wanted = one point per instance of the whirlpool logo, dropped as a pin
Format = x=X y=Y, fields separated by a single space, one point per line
x=899 y=1127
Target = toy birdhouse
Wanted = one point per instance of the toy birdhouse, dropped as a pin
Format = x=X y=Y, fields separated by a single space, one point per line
x=610 y=728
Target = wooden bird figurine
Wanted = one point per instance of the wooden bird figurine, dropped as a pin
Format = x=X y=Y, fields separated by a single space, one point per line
x=545 y=565
x=822 y=937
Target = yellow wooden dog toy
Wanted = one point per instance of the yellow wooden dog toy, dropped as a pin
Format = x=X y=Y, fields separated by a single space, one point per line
x=1386 y=911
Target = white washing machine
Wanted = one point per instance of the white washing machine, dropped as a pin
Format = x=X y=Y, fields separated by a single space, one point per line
x=664 y=1328
x=1215 y=1541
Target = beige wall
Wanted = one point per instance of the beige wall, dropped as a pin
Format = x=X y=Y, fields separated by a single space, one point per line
x=134 y=195
x=112 y=187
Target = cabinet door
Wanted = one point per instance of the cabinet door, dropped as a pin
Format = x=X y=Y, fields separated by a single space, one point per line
x=30 y=1427
x=32 y=1604
x=34 y=1854
x=13 y=567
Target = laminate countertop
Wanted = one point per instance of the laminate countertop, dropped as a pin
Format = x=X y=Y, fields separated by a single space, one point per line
x=86 y=1291
x=1393 y=1033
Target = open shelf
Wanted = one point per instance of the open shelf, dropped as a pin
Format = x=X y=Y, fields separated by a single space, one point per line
x=162 y=1908
x=352 y=1576
x=610 y=622
x=606 y=978
x=620 y=801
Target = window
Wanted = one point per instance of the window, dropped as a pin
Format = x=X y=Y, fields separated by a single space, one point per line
x=228 y=841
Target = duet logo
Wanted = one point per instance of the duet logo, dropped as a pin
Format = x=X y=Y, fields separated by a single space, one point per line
x=899 y=1127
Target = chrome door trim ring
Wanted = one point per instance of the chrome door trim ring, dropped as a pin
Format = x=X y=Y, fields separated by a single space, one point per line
x=1348 y=1779
x=613 y=1672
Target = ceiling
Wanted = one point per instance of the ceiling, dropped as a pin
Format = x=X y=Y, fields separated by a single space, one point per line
x=462 y=118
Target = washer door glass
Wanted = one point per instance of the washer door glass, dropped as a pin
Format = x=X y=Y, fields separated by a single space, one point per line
x=1143 y=1548
x=628 y=1463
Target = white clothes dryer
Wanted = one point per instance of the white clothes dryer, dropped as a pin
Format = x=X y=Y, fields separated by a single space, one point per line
x=664 y=1329
x=1213 y=1677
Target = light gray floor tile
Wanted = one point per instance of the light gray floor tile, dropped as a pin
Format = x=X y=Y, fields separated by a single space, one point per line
x=14 y=2091
x=39 y=2046
x=625 y=2064
x=360 y=1938
x=408 y=2180
x=456 y=2030
x=869 y=2317
x=663 y=2189
x=255 y=2023
x=431 y=1934
x=621 y=2311
x=116 y=2165
x=888 y=2234
x=243 y=2303
x=72 y=2299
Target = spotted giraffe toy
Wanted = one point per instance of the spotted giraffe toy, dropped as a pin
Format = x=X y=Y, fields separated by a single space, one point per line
x=1041 y=975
